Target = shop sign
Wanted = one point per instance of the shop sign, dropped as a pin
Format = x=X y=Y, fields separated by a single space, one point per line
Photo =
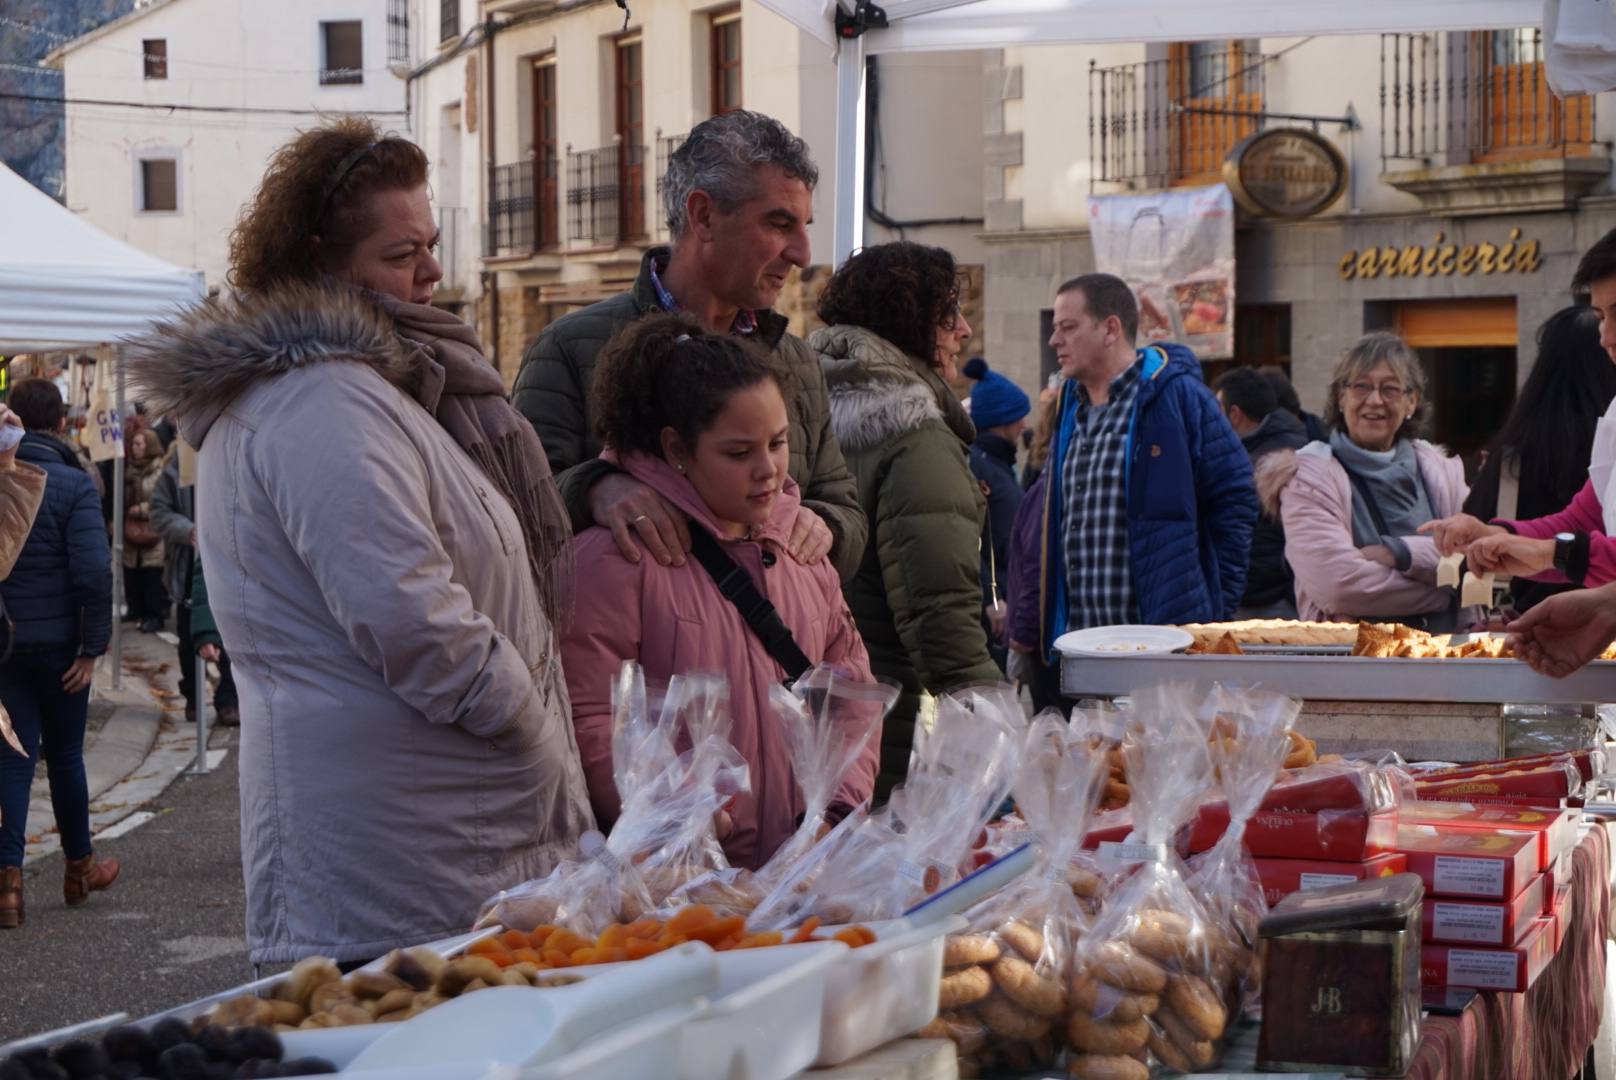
x=1442 y=259
x=1286 y=172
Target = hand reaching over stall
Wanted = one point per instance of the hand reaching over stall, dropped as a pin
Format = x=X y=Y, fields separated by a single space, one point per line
x=1566 y=631
x=1458 y=532
x=1505 y=553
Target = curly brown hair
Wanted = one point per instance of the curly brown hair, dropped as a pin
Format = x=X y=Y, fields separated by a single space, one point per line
x=903 y=291
x=665 y=371
x=307 y=215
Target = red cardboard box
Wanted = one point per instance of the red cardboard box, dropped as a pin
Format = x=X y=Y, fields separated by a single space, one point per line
x=1557 y=829
x=1590 y=763
x=1514 y=969
x=1477 y=922
x=1349 y=836
x=1553 y=780
x=1468 y=863
x=1281 y=877
x=1333 y=787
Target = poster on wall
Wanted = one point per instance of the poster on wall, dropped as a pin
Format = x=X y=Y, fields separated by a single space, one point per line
x=1176 y=250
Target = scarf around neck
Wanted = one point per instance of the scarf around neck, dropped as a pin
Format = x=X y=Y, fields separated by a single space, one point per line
x=455 y=382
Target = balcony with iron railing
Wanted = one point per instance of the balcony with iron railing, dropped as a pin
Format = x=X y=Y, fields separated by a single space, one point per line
x=522 y=209
x=665 y=146
x=1469 y=125
x=1161 y=123
x=398 y=33
x=606 y=196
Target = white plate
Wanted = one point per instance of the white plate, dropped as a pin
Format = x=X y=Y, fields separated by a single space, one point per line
x=1123 y=641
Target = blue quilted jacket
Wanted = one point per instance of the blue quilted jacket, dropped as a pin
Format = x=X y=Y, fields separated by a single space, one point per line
x=1191 y=500
x=60 y=591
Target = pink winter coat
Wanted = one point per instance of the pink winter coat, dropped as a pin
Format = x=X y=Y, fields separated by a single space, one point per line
x=1585 y=514
x=1311 y=495
x=674 y=621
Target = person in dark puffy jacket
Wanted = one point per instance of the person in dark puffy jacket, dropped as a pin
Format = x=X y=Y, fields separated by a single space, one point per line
x=1264 y=426
x=999 y=410
x=59 y=596
x=1150 y=501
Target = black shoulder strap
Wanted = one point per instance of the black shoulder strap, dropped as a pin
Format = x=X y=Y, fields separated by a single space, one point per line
x=1361 y=486
x=754 y=607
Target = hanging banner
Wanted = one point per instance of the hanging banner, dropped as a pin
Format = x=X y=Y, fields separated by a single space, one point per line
x=1175 y=249
x=103 y=430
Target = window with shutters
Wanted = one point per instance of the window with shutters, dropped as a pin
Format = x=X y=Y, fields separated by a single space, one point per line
x=342 y=60
x=154 y=52
x=726 y=61
x=159 y=185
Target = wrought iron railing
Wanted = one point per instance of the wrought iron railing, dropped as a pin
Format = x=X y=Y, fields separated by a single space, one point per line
x=665 y=146
x=448 y=19
x=512 y=209
x=1161 y=122
x=398 y=32
x=1463 y=98
x=606 y=195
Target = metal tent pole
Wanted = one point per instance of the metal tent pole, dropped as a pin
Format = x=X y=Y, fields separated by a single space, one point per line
x=200 y=767
x=118 y=582
x=848 y=236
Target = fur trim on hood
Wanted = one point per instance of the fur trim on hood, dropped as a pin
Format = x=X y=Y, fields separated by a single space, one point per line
x=196 y=365
x=1276 y=470
x=877 y=392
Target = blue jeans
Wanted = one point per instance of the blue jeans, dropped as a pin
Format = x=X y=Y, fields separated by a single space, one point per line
x=47 y=718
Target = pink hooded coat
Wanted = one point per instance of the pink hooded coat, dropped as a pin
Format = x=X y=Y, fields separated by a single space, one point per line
x=1310 y=494
x=674 y=621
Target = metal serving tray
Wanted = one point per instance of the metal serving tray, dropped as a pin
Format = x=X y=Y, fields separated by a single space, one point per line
x=1345 y=678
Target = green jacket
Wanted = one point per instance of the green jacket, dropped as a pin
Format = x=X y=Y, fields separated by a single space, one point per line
x=204 y=631
x=917 y=594
x=552 y=391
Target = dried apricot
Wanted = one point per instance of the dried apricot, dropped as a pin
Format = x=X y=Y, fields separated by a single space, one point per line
x=488 y=946
x=644 y=928
x=526 y=955
x=596 y=955
x=639 y=948
x=687 y=919
x=805 y=932
x=763 y=940
x=719 y=929
x=540 y=935
x=566 y=941
x=556 y=958
x=514 y=939
x=614 y=934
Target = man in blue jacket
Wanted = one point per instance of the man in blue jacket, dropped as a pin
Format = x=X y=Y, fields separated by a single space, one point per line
x=1150 y=502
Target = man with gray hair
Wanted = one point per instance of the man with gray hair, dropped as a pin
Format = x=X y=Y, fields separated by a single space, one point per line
x=739 y=198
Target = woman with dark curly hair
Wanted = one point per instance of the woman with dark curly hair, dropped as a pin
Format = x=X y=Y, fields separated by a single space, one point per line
x=701 y=420
x=382 y=540
x=890 y=350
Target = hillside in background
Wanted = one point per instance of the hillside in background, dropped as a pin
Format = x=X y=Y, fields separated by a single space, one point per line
x=32 y=133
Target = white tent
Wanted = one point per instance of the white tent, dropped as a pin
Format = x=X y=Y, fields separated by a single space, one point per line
x=66 y=284
x=931 y=25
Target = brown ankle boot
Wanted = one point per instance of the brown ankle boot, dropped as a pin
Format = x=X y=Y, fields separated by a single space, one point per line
x=12 y=914
x=84 y=876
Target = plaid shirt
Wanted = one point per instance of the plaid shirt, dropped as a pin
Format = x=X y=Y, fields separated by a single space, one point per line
x=745 y=321
x=1099 y=578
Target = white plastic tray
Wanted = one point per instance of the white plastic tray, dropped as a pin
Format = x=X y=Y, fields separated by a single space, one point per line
x=1346 y=678
x=634 y=1052
x=884 y=990
x=764 y=1023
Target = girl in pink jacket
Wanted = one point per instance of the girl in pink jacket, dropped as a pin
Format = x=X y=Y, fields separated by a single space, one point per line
x=701 y=419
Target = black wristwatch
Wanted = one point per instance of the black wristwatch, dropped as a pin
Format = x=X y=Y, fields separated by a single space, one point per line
x=1563 y=543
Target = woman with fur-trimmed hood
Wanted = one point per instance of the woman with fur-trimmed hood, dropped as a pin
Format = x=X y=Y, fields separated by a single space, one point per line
x=387 y=564
x=891 y=347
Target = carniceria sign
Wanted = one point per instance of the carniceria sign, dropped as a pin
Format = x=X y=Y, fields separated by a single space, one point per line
x=1442 y=258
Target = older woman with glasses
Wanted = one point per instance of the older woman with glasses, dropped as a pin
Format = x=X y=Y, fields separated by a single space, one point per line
x=1352 y=506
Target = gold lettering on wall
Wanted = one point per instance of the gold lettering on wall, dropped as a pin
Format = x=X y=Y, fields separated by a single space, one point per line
x=1440 y=257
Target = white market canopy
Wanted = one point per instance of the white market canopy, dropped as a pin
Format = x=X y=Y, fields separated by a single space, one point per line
x=933 y=25
x=65 y=284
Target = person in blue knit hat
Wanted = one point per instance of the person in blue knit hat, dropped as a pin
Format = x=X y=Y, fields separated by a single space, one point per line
x=999 y=410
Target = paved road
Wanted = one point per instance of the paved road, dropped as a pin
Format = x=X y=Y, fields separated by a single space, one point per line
x=169 y=931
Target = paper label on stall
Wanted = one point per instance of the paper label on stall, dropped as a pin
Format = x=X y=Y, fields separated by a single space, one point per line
x=1448 y=570
x=1476 y=591
x=1468 y=877
x=1468 y=922
x=1321 y=881
x=1115 y=853
x=1488 y=970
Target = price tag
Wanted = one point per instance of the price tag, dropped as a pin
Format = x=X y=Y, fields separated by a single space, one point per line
x=1115 y=853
